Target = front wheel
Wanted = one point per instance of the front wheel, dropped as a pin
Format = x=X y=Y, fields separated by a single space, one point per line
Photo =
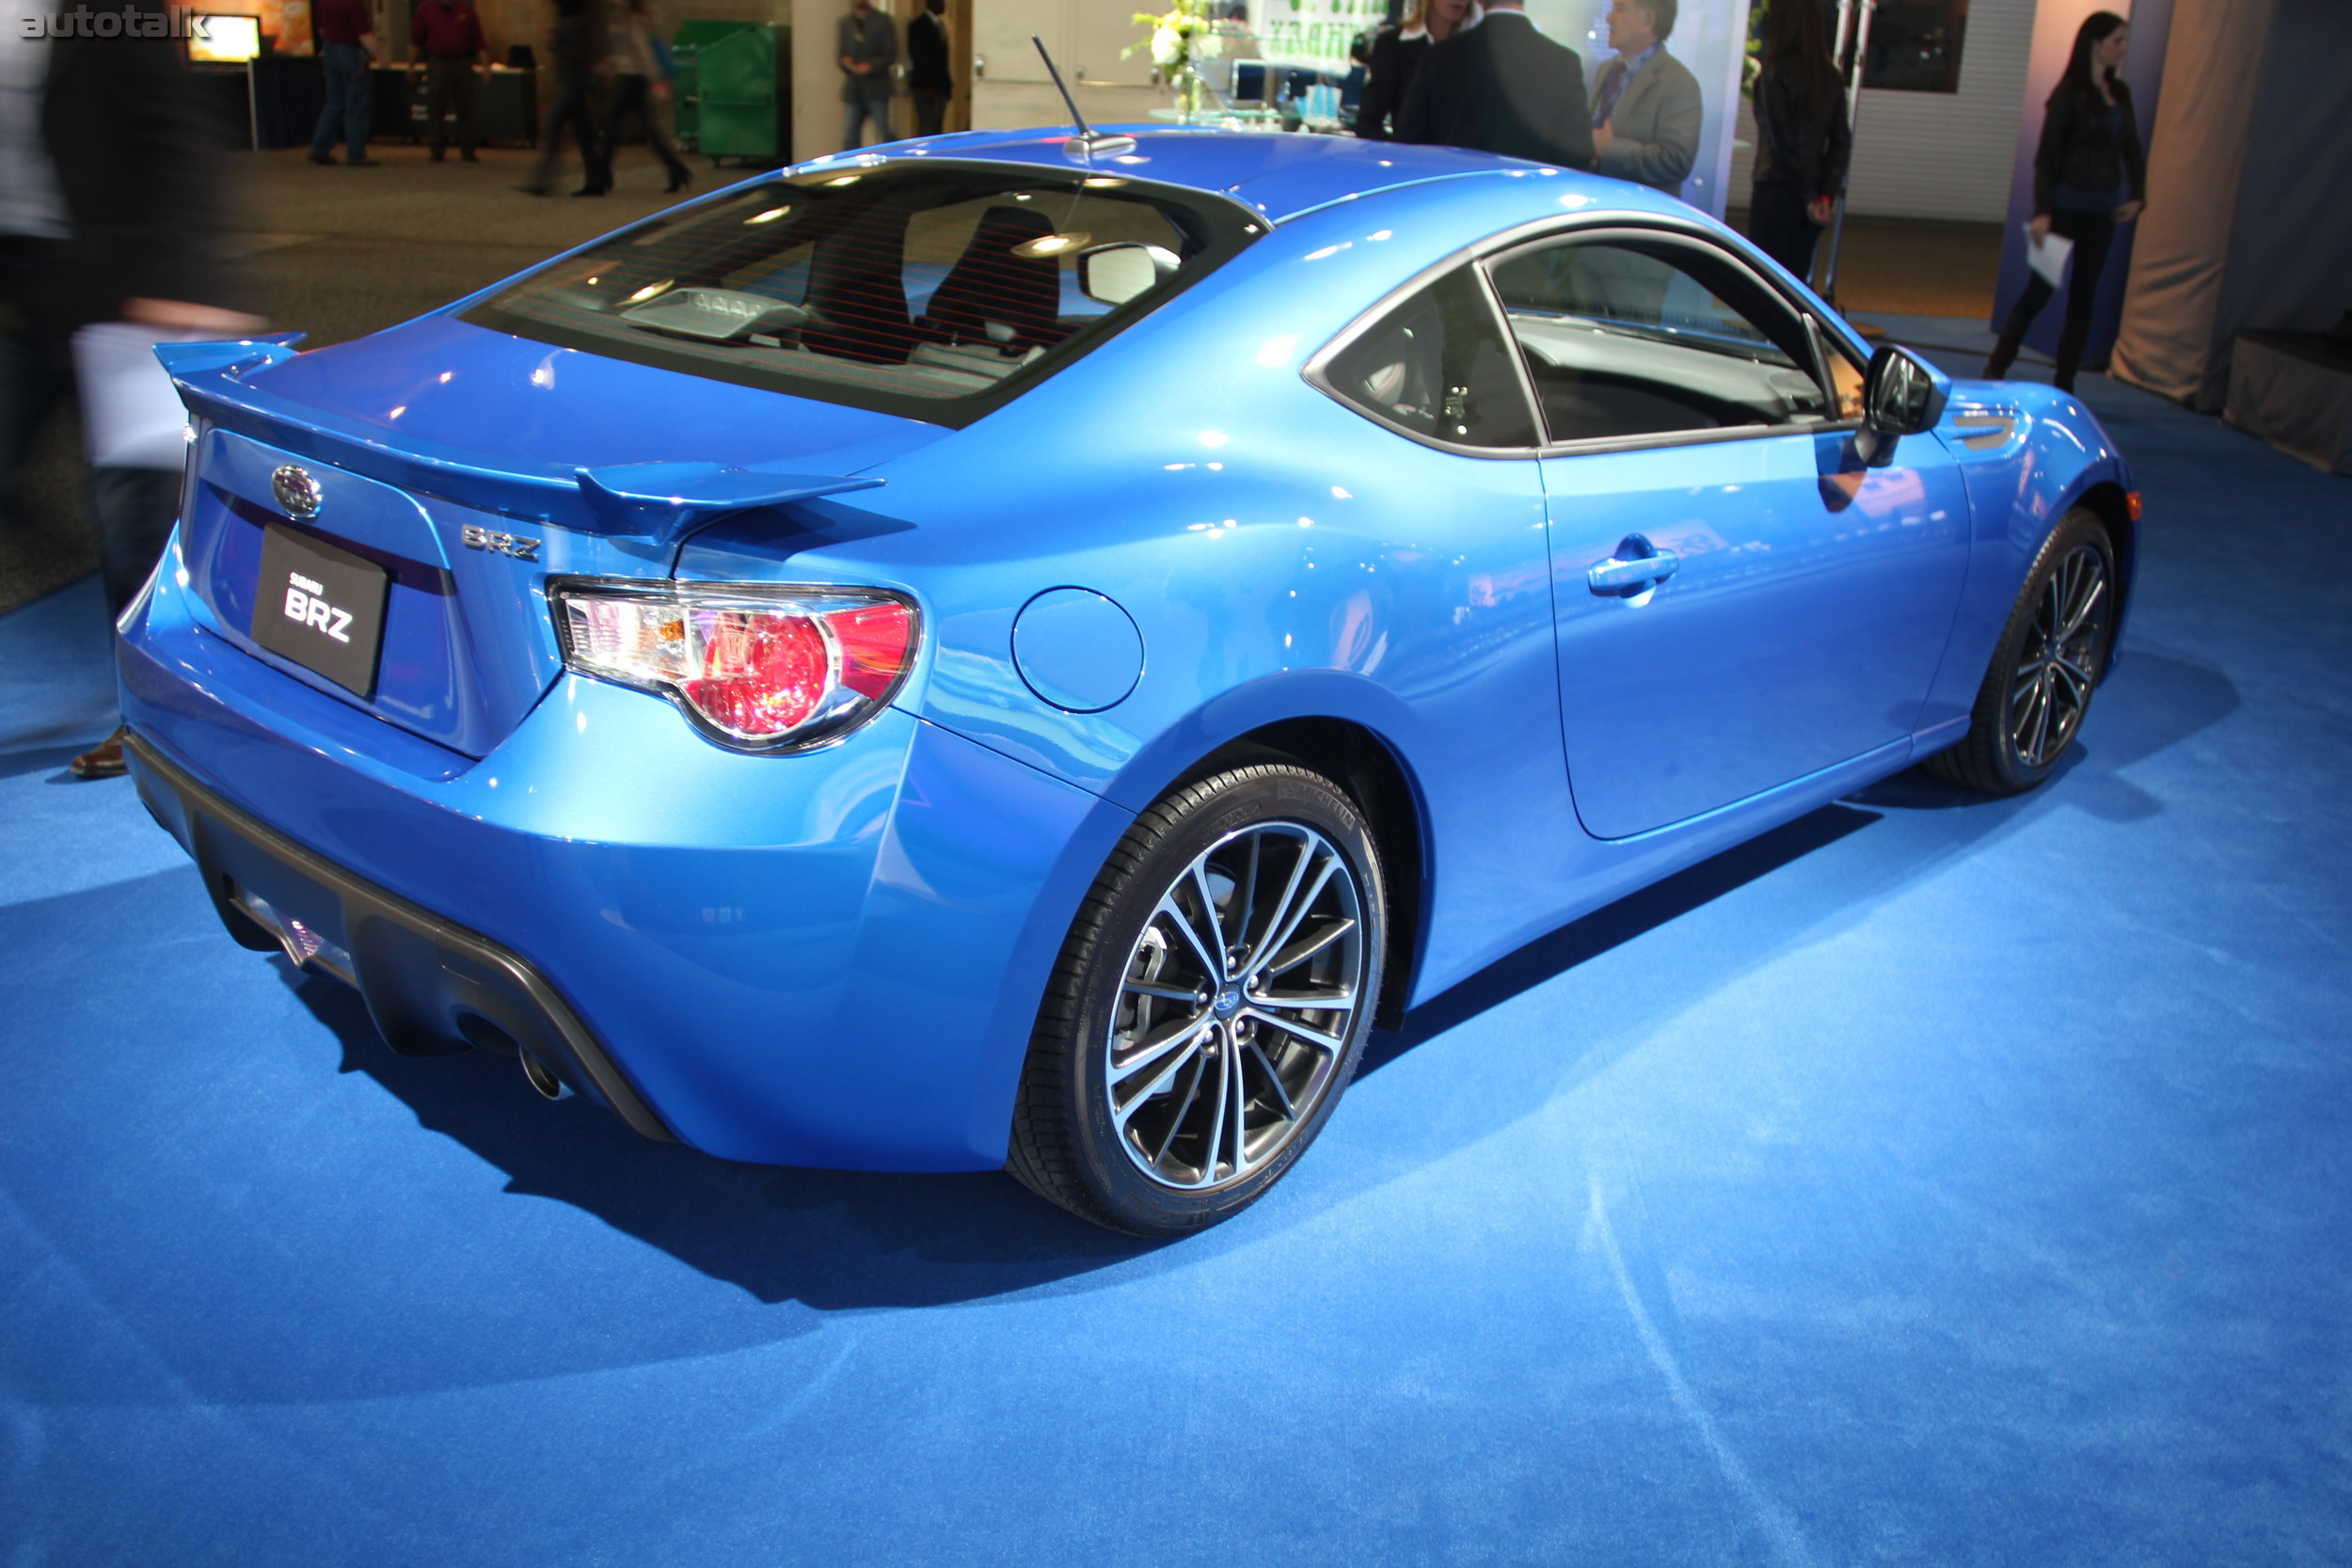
x=1209 y=1006
x=2052 y=653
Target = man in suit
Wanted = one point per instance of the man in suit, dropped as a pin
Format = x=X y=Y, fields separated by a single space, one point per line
x=928 y=77
x=867 y=45
x=1502 y=87
x=1645 y=106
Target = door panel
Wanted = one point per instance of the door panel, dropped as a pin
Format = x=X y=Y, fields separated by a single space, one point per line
x=1801 y=626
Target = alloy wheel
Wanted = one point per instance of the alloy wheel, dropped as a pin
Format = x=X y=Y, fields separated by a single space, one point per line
x=2058 y=664
x=1236 y=1006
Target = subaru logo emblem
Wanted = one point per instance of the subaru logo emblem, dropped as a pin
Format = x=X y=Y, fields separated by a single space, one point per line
x=298 y=493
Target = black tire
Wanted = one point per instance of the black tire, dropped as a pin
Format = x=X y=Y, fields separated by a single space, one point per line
x=2037 y=690
x=1239 y=1028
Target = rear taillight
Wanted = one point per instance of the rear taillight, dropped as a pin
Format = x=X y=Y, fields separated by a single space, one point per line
x=758 y=668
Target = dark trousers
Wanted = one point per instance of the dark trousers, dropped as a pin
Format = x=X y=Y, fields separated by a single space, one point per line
x=350 y=103
x=930 y=111
x=133 y=509
x=633 y=95
x=2093 y=234
x=32 y=368
x=571 y=108
x=1781 y=227
x=449 y=85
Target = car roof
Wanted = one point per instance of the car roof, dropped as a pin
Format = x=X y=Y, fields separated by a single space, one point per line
x=1280 y=175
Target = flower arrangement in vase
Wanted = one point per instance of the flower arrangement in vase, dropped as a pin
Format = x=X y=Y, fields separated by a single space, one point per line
x=1180 y=40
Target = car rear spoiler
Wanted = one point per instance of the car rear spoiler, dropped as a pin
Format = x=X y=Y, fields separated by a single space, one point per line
x=660 y=501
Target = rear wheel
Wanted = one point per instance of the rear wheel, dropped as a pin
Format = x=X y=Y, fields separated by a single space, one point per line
x=2037 y=693
x=1209 y=1006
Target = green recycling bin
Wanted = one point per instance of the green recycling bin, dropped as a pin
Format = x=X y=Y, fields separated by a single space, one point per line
x=733 y=89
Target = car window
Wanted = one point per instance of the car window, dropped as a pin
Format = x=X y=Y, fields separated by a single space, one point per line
x=1630 y=336
x=928 y=289
x=1437 y=366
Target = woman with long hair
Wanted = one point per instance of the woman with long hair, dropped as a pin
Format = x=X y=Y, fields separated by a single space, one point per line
x=1395 y=54
x=2089 y=175
x=1802 y=137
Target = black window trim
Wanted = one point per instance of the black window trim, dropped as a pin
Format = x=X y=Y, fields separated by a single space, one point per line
x=1482 y=255
x=1250 y=225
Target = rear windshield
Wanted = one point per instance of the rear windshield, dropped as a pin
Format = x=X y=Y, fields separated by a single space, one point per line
x=931 y=288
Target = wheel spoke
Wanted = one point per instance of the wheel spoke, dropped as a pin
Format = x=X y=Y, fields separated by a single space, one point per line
x=1207 y=912
x=1168 y=994
x=1282 y=903
x=1274 y=1081
x=1294 y=915
x=1311 y=1002
x=2041 y=724
x=1215 y=1146
x=1192 y=1092
x=2082 y=612
x=1213 y=962
x=1249 y=890
x=1299 y=952
x=1299 y=1032
x=1157 y=1048
x=2077 y=681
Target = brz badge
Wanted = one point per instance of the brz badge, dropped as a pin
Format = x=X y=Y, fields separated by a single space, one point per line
x=500 y=544
x=298 y=493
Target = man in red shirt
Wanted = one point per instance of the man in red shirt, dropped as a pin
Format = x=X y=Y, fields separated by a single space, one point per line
x=447 y=35
x=346 y=33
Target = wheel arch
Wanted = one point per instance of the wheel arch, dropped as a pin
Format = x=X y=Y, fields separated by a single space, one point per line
x=2112 y=504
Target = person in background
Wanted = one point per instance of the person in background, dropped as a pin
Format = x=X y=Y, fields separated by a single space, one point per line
x=1802 y=139
x=346 y=35
x=1645 y=106
x=639 y=84
x=1394 y=56
x=575 y=61
x=868 y=47
x=1502 y=87
x=929 y=79
x=2089 y=175
x=447 y=37
x=107 y=174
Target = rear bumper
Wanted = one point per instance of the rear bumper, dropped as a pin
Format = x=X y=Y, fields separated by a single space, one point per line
x=830 y=959
x=430 y=984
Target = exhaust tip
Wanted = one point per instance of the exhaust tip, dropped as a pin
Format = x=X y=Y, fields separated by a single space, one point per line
x=544 y=1081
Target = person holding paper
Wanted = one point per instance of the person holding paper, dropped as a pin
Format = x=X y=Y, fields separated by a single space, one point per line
x=2089 y=175
x=106 y=155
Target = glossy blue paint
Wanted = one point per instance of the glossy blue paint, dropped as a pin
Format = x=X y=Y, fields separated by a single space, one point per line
x=835 y=956
x=1077 y=649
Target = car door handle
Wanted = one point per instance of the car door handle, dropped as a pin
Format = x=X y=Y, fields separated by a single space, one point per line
x=1614 y=576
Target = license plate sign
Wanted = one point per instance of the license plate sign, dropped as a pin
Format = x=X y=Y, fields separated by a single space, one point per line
x=321 y=607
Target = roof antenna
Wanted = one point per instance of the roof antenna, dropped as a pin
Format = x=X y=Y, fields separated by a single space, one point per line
x=1090 y=140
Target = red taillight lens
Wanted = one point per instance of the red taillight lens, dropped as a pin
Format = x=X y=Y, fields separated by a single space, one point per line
x=768 y=668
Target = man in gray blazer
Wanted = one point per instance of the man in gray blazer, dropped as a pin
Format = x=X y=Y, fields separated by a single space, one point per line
x=1646 y=102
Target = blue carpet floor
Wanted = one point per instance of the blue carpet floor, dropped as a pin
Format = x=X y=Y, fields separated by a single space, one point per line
x=1935 y=1181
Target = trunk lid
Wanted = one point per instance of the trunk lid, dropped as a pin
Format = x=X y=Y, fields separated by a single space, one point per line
x=470 y=466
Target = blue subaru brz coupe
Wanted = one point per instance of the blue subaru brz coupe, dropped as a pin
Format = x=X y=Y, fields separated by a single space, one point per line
x=1020 y=650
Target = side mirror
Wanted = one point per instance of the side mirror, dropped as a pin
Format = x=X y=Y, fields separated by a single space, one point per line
x=1902 y=395
x=1115 y=274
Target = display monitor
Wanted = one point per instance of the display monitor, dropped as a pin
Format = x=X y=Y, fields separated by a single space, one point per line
x=224 y=39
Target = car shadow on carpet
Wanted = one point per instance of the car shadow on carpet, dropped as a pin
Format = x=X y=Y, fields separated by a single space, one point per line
x=828 y=1239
